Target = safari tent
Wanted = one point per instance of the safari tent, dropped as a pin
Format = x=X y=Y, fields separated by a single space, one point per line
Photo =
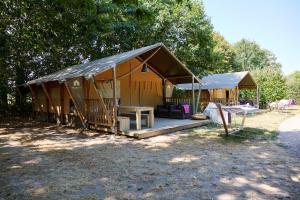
x=92 y=94
x=224 y=88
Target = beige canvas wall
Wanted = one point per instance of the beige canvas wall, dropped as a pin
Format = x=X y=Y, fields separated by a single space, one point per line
x=41 y=101
x=221 y=93
x=136 y=88
x=54 y=92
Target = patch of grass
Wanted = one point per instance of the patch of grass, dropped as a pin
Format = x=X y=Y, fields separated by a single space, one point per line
x=263 y=126
x=259 y=133
x=250 y=134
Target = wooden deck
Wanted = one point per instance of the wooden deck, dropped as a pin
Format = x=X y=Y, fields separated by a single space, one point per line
x=163 y=126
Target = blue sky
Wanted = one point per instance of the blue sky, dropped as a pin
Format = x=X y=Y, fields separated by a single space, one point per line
x=273 y=24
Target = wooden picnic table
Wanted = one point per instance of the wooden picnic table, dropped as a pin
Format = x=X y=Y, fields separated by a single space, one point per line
x=138 y=113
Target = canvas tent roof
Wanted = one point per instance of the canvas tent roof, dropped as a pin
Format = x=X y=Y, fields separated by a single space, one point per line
x=226 y=80
x=164 y=62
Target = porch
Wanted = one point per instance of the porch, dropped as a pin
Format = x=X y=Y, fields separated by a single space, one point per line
x=163 y=126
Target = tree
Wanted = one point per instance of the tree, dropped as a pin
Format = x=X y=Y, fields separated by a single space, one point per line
x=293 y=86
x=271 y=83
x=250 y=56
x=224 y=55
x=40 y=37
x=265 y=69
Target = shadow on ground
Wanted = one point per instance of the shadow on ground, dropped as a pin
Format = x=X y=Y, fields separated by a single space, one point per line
x=43 y=161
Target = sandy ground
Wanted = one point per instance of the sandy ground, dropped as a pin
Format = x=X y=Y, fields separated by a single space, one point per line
x=290 y=134
x=43 y=161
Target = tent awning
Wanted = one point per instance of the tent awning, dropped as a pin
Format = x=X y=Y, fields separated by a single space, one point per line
x=243 y=80
x=164 y=62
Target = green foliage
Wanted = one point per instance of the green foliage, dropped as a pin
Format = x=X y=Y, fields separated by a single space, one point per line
x=265 y=70
x=293 y=86
x=250 y=56
x=178 y=92
x=224 y=55
x=271 y=85
x=40 y=37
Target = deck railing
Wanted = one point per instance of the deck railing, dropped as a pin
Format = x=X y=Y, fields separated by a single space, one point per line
x=179 y=100
x=96 y=114
x=203 y=101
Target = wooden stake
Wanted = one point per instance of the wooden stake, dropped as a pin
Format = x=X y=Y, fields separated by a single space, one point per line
x=223 y=118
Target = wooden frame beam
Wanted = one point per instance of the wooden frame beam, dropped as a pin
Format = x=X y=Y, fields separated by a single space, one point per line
x=257 y=96
x=87 y=97
x=19 y=91
x=34 y=98
x=94 y=84
x=115 y=113
x=62 y=104
x=193 y=93
x=152 y=68
x=198 y=97
x=139 y=65
x=174 y=77
x=164 y=83
x=76 y=105
x=237 y=95
x=49 y=98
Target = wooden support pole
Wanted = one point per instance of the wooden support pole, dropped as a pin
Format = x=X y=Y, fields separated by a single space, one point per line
x=193 y=94
x=62 y=104
x=257 y=96
x=130 y=84
x=47 y=102
x=101 y=100
x=49 y=98
x=176 y=77
x=20 y=94
x=34 y=99
x=76 y=105
x=237 y=95
x=88 y=87
x=115 y=114
x=164 y=90
x=223 y=118
x=18 y=90
x=84 y=98
x=199 y=96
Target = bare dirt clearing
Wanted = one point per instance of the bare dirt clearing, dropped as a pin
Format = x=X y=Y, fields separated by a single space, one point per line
x=43 y=161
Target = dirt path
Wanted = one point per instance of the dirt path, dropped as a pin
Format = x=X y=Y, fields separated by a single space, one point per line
x=290 y=134
x=43 y=161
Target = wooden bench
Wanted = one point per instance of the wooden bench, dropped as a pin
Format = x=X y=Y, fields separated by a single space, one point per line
x=144 y=116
